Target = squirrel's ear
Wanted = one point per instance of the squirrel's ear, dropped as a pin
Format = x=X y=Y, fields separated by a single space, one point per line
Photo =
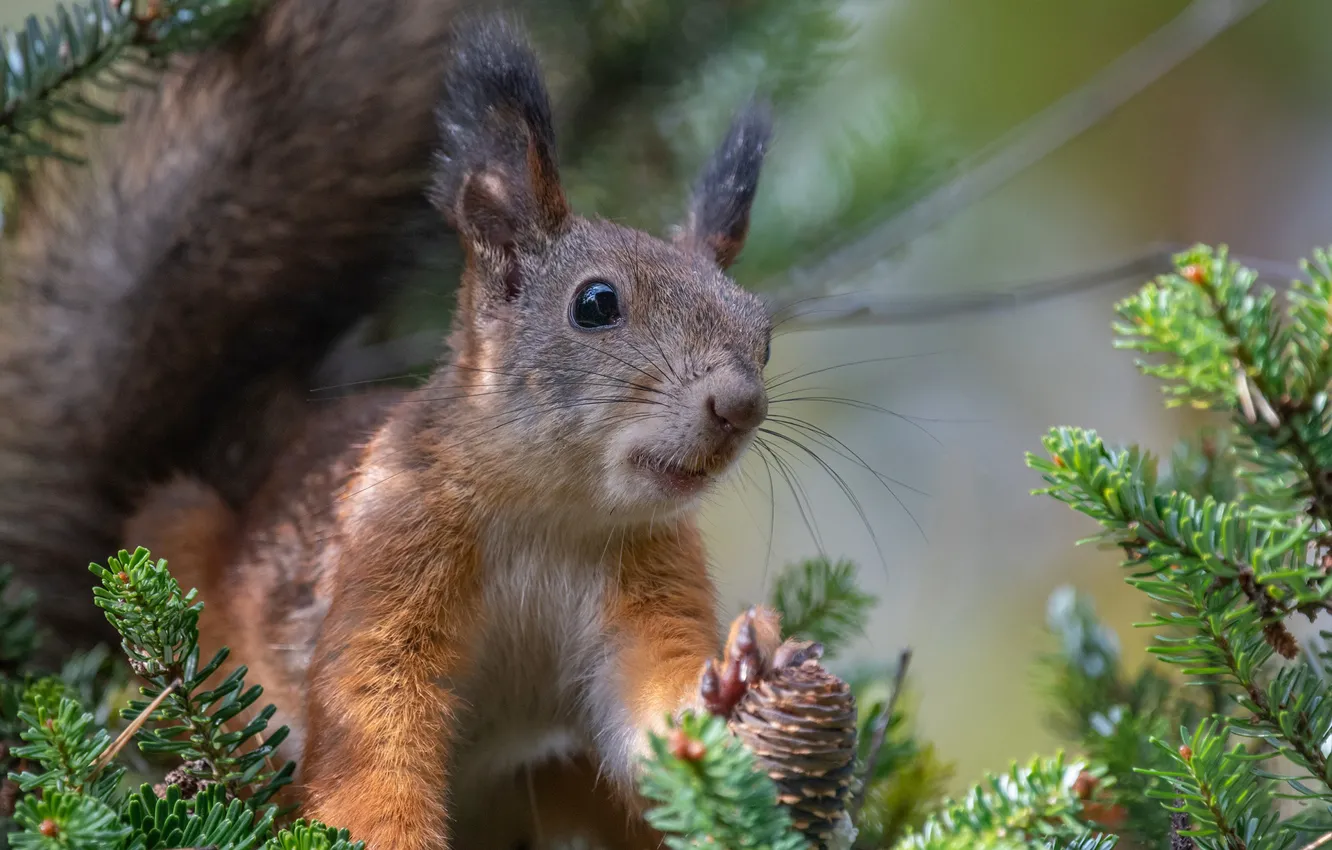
x=718 y=218
x=496 y=179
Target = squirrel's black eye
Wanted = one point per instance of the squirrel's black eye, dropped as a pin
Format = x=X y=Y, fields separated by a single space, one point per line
x=597 y=305
x=767 y=354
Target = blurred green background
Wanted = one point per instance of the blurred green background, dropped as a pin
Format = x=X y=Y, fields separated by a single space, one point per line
x=878 y=101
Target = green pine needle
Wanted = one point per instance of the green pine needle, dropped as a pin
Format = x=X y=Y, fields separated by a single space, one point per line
x=67 y=821
x=312 y=836
x=820 y=600
x=719 y=799
x=207 y=820
x=1032 y=806
x=159 y=628
x=54 y=72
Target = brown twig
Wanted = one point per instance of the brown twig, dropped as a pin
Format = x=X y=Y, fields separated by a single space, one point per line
x=1272 y=612
x=880 y=733
x=125 y=736
x=1318 y=842
x=799 y=308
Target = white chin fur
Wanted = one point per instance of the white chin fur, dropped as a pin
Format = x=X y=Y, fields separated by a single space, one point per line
x=638 y=493
x=635 y=491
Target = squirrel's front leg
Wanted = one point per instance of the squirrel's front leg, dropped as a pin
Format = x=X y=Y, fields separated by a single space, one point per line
x=668 y=632
x=380 y=709
x=670 y=668
x=675 y=679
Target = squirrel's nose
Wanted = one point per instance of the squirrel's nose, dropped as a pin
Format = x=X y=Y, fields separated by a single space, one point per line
x=737 y=402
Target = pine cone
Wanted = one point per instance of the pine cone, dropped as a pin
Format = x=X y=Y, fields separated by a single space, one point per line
x=186 y=778
x=800 y=723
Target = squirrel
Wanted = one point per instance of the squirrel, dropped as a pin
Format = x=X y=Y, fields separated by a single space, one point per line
x=512 y=570
x=495 y=575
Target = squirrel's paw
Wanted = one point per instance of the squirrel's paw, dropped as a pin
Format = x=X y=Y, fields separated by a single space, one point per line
x=753 y=650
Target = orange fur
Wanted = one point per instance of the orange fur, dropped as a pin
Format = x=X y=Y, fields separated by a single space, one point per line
x=667 y=609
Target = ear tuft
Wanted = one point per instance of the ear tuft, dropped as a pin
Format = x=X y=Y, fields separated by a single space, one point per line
x=497 y=140
x=718 y=218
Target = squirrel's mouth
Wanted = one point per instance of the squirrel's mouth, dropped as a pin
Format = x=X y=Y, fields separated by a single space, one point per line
x=683 y=476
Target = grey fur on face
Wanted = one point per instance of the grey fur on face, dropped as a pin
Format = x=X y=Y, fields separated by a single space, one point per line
x=660 y=400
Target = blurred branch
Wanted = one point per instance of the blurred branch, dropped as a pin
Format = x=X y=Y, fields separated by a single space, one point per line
x=881 y=731
x=1318 y=842
x=358 y=362
x=801 y=293
x=1024 y=146
x=800 y=309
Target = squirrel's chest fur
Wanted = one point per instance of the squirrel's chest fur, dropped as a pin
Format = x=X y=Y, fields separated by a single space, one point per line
x=540 y=679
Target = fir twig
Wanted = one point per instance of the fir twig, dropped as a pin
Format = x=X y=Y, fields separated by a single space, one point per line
x=1188 y=556
x=710 y=792
x=1224 y=800
x=879 y=733
x=71 y=782
x=1034 y=805
x=820 y=600
x=1228 y=557
x=159 y=626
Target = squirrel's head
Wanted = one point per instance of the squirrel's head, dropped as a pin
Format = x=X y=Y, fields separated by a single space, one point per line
x=614 y=367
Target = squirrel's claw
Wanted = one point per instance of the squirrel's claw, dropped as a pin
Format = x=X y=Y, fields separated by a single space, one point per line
x=718 y=697
x=753 y=650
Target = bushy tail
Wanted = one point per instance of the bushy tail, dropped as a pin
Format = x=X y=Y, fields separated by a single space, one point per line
x=162 y=307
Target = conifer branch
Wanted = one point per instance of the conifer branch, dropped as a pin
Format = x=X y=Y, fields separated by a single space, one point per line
x=1228 y=556
x=1225 y=802
x=1194 y=554
x=710 y=792
x=159 y=626
x=307 y=835
x=46 y=64
x=820 y=600
x=1179 y=830
x=1318 y=842
x=879 y=732
x=902 y=780
x=71 y=796
x=1230 y=346
x=59 y=820
x=62 y=741
x=1033 y=806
